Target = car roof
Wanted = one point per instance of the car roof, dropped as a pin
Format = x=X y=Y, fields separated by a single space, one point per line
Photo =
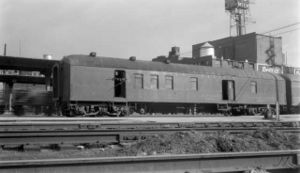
x=119 y=63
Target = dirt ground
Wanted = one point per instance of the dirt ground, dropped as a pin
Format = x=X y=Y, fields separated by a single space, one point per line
x=177 y=143
x=194 y=142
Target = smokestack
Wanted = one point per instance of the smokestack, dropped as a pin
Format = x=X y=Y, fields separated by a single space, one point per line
x=4 y=54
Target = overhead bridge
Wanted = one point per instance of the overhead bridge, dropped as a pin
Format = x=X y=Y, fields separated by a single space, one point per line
x=17 y=65
x=26 y=64
x=23 y=79
x=24 y=70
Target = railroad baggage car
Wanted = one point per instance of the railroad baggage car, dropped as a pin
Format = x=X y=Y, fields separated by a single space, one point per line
x=90 y=85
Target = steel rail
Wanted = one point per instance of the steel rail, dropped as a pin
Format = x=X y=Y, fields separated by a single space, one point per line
x=29 y=126
x=271 y=161
x=26 y=134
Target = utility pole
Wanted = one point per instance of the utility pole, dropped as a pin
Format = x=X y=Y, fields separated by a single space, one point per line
x=19 y=47
x=4 y=53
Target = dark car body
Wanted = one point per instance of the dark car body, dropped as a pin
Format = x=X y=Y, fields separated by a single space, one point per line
x=88 y=80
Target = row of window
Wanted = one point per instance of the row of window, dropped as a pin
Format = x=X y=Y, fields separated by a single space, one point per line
x=169 y=83
x=154 y=81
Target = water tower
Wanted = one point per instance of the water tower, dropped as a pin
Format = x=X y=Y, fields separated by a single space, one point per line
x=207 y=50
x=238 y=10
x=47 y=56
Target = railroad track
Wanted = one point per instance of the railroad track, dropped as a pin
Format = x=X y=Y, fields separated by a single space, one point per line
x=77 y=125
x=35 y=134
x=272 y=161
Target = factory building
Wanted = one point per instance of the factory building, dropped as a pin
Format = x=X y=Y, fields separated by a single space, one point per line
x=249 y=52
x=265 y=51
x=252 y=47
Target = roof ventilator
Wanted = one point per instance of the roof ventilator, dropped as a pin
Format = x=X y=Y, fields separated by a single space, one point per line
x=132 y=58
x=93 y=54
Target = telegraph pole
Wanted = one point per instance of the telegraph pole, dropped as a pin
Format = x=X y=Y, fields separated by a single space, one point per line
x=4 y=52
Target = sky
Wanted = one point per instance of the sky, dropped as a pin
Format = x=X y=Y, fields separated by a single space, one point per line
x=141 y=28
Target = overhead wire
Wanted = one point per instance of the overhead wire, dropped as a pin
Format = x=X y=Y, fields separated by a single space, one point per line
x=283 y=27
x=286 y=31
x=276 y=29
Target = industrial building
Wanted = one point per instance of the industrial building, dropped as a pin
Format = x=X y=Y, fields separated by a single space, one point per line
x=255 y=48
x=250 y=51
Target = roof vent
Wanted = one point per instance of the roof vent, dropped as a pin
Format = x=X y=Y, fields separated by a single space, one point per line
x=132 y=58
x=93 y=54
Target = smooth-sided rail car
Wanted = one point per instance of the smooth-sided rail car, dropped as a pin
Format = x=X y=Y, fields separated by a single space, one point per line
x=89 y=85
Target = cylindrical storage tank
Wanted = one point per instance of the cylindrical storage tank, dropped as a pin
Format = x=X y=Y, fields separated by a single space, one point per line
x=207 y=50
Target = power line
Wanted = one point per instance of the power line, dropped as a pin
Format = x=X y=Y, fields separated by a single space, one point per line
x=287 y=31
x=276 y=29
x=282 y=27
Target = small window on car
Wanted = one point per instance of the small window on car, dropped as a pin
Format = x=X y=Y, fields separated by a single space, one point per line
x=154 y=82
x=138 y=81
x=193 y=83
x=253 y=86
x=169 y=82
